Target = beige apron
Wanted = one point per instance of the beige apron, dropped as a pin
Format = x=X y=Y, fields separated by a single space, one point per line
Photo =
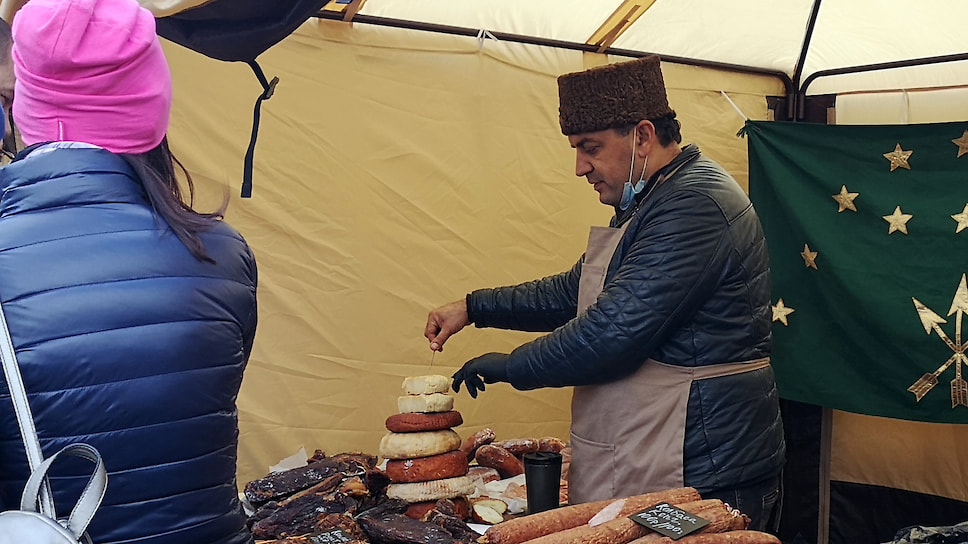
x=627 y=436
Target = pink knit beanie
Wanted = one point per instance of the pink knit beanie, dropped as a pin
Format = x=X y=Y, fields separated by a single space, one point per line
x=90 y=71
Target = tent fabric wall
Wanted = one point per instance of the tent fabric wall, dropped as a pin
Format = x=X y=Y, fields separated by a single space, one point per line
x=903 y=107
x=922 y=457
x=397 y=170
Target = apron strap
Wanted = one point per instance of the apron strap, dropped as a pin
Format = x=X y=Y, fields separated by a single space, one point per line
x=717 y=370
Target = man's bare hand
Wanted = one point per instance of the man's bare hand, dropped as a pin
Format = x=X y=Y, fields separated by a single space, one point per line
x=445 y=321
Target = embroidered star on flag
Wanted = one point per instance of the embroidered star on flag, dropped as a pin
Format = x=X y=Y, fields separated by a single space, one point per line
x=898 y=158
x=962 y=219
x=962 y=143
x=780 y=312
x=809 y=257
x=845 y=200
x=897 y=221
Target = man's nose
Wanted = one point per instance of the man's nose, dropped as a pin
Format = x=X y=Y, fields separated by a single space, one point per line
x=582 y=167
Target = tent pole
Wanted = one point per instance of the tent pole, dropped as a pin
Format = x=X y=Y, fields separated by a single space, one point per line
x=795 y=101
x=826 y=439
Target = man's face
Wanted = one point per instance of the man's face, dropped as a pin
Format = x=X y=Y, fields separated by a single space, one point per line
x=603 y=158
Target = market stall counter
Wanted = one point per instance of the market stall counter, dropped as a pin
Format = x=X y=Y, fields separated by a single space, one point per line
x=432 y=487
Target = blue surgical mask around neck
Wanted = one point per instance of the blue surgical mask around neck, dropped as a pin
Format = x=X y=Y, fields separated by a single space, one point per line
x=628 y=190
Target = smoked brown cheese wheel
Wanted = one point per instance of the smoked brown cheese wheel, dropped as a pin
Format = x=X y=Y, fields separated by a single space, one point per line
x=412 y=422
x=424 y=469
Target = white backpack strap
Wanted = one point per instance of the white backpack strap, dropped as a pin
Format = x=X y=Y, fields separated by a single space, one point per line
x=11 y=372
x=91 y=497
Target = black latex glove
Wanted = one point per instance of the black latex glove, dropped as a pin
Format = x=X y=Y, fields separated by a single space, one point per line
x=488 y=368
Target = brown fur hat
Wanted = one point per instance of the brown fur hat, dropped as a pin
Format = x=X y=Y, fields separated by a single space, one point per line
x=611 y=95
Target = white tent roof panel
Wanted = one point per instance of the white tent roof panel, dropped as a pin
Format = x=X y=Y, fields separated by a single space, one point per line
x=565 y=20
x=762 y=34
x=721 y=32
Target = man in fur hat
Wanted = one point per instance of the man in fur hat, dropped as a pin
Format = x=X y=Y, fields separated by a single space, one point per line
x=663 y=325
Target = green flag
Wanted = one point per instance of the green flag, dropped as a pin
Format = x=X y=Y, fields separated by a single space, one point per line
x=867 y=228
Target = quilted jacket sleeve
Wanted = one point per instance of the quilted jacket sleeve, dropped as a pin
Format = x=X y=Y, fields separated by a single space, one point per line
x=667 y=265
x=538 y=306
x=250 y=324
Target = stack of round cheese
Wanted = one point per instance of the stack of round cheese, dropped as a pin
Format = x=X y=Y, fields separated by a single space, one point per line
x=424 y=462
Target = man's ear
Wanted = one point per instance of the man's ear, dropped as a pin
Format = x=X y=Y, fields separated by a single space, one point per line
x=645 y=132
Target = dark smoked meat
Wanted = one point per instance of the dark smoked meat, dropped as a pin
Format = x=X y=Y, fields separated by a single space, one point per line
x=261 y=513
x=376 y=481
x=270 y=508
x=368 y=461
x=285 y=483
x=444 y=514
x=446 y=507
x=306 y=539
x=301 y=515
x=386 y=506
x=400 y=529
x=345 y=522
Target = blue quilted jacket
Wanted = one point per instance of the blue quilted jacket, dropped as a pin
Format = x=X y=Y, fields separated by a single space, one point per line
x=688 y=285
x=128 y=343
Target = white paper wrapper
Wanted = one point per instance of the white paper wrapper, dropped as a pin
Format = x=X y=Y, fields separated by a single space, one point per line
x=295 y=460
x=479 y=528
x=246 y=505
x=608 y=513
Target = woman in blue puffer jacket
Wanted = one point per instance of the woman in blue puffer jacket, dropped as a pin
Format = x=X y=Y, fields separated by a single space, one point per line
x=132 y=315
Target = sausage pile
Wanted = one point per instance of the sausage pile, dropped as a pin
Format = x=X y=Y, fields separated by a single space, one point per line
x=577 y=524
x=501 y=459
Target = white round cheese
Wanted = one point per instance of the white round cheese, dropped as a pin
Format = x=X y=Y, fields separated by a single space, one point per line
x=418 y=444
x=424 y=385
x=434 y=402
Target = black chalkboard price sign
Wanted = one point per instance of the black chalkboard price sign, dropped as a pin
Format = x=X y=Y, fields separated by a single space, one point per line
x=668 y=520
x=332 y=536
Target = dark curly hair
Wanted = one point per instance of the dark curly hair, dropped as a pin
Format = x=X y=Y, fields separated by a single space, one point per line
x=667 y=129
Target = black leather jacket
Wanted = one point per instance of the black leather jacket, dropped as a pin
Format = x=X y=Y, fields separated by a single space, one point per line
x=688 y=285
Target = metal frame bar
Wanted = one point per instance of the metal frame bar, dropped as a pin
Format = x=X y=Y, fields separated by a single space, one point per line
x=880 y=66
x=795 y=100
x=560 y=44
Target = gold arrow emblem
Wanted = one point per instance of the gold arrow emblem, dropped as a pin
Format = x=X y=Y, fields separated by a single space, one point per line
x=932 y=322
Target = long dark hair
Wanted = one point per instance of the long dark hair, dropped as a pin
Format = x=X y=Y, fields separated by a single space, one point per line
x=156 y=170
